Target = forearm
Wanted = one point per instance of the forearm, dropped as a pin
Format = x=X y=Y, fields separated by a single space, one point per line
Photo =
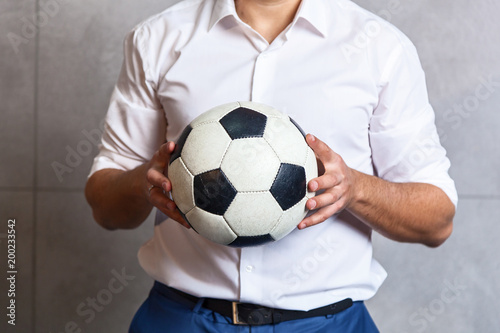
x=118 y=198
x=406 y=212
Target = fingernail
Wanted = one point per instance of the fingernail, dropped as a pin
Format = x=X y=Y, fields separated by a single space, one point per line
x=313 y=186
x=312 y=204
x=164 y=186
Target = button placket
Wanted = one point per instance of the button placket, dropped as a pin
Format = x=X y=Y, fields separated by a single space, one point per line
x=251 y=258
x=263 y=78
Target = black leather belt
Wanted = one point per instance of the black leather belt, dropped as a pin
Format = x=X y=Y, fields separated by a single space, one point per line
x=250 y=314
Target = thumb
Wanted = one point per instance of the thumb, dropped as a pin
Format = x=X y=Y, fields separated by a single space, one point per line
x=318 y=146
x=162 y=157
x=323 y=152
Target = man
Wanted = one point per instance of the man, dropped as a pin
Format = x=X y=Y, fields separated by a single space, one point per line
x=382 y=165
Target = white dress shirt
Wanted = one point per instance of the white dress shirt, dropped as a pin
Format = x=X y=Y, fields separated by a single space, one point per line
x=343 y=74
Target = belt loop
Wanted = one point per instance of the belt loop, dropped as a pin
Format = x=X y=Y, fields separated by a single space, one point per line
x=198 y=305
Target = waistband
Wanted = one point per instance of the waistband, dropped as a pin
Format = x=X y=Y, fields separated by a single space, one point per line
x=247 y=313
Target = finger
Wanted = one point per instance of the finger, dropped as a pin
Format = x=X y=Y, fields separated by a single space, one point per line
x=322 y=200
x=159 y=180
x=166 y=150
x=158 y=198
x=323 y=182
x=162 y=156
x=322 y=150
x=166 y=206
x=321 y=215
x=177 y=216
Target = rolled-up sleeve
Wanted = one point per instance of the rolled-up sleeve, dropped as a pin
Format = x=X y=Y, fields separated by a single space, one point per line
x=403 y=135
x=135 y=123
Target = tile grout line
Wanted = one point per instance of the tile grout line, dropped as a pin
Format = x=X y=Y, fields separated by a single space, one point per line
x=35 y=177
x=478 y=197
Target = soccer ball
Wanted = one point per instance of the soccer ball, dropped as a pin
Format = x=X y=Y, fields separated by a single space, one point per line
x=239 y=174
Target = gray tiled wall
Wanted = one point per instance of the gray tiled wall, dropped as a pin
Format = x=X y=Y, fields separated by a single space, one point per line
x=17 y=93
x=76 y=261
x=55 y=86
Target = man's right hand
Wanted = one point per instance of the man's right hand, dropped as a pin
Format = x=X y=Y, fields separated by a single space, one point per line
x=158 y=191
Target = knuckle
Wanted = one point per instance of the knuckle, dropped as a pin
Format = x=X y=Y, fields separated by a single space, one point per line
x=329 y=197
x=334 y=179
x=150 y=175
x=321 y=217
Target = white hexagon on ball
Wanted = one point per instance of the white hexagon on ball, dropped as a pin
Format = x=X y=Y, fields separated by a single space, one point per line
x=253 y=213
x=212 y=226
x=250 y=164
x=286 y=140
x=183 y=184
x=215 y=114
x=204 y=148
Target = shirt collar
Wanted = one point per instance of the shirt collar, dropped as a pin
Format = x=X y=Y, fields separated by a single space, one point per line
x=222 y=9
x=314 y=12
x=311 y=11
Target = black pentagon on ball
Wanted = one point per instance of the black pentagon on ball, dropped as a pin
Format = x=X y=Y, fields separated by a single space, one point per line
x=298 y=127
x=289 y=186
x=243 y=241
x=213 y=192
x=244 y=123
x=180 y=144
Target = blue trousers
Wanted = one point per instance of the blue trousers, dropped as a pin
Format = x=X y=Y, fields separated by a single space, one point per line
x=161 y=313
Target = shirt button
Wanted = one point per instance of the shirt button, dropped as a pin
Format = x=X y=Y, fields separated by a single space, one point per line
x=249 y=268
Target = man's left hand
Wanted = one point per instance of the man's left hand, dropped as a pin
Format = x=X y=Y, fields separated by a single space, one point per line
x=336 y=179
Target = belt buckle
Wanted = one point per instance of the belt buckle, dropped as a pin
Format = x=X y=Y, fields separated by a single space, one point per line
x=236 y=319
